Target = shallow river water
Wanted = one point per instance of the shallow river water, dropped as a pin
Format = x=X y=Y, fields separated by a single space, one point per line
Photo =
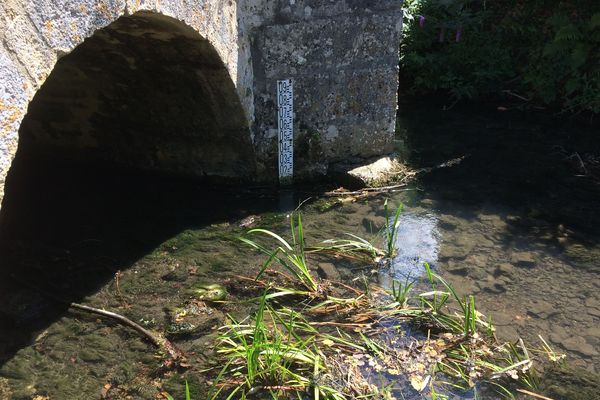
x=514 y=223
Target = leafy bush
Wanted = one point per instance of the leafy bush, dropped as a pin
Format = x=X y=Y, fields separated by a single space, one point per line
x=546 y=51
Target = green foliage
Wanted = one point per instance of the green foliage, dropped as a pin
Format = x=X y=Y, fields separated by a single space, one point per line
x=290 y=255
x=546 y=51
x=400 y=292
x=294 y=348
x=276 y=353
x=390 y=230
x=566 y=68
x=187 y=393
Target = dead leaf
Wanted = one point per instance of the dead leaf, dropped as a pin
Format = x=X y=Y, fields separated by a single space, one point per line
x=419 y=382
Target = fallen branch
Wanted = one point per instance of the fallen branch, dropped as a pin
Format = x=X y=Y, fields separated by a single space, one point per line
x=368 y=190
x=157 y=340
x=518 y=96
x=537 y=396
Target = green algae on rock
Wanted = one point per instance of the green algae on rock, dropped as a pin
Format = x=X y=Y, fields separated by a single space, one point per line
x=207 y=292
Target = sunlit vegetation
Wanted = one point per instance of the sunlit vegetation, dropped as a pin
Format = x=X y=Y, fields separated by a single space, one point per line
x=329 y=340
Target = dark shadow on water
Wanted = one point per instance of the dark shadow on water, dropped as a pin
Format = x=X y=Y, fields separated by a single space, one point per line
x=522 y=160
x=66 y=229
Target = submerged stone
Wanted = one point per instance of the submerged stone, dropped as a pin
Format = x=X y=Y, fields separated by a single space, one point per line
x=564 y=383
x=181 y=329
x=579 y=345
x=523 y=259
x=384 y=171
x=329 y=271
x=189 y=319
x=207 y=292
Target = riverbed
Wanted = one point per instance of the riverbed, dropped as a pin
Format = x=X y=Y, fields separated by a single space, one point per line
x=514 y=221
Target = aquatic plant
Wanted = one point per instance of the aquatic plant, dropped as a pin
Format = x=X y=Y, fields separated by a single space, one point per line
x=187 y=393
x=356 y=247
x=390 y=230
x=400 y=292
x=276 y=353
x=292 y=346
x=363 y=249
x=291 y=256
x=436 y=299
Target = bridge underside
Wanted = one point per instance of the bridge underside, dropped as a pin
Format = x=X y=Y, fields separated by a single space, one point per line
x=146 y=92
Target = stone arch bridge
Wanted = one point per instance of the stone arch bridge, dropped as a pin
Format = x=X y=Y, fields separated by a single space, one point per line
x=188 y=86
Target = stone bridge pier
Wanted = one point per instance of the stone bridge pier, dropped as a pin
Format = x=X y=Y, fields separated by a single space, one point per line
x=189 y=87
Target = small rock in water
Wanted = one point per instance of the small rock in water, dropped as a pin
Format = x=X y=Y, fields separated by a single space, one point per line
x=592 y=335
x=523 y=259
x=592 y=302
x=541 y=309
x=577 y=344
x=477 y=260
x=495 y=287
x=457 y=268
x=507 y=332
x=427 y=203
x=502 y=319
x=594 y=312
x=374 y=223
x=383 y=171
x=460 y=249
x=207 y=291
x=505 y=269
x=177 y=273
x=560 y=331
x=249 y=221
x=329 y=271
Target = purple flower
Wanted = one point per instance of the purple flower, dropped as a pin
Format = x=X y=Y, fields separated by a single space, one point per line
x=421 y=21
x=458 y=34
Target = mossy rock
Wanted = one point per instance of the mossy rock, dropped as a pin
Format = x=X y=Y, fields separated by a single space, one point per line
x=189 y=319
x=584 y=257
x=177 y=329
x=325 y=205
x=565 y=383
x=207 y=292
x=175 y=386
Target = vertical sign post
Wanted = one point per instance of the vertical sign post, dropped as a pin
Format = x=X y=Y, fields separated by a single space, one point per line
x=285 y=107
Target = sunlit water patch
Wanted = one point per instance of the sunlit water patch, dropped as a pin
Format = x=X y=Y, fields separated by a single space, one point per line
x=417 y=243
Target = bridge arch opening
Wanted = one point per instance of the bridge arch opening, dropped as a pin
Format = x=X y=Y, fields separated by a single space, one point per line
x=108 y=155
x=145 y=92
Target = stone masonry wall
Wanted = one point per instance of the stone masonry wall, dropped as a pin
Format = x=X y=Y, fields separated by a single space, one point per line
x=341 y=54
x=34 y=34
x=343 y=58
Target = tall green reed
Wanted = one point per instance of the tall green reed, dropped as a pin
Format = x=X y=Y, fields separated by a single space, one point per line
x=290 y=255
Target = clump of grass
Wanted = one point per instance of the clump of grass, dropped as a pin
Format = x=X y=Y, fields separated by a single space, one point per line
x=435 y=300
x=291 y=256
x=276 y=354
x=400 y=292
x=390 y=230
x=187 y=393
x=362 y=249
x=356 y=247
x=294 y=347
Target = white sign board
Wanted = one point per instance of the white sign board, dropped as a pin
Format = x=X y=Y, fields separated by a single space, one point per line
x=285 y=107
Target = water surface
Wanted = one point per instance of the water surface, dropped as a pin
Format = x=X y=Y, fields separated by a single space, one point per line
x=514 y=223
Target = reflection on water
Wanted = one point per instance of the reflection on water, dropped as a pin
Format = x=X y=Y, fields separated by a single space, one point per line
x=417 y=243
